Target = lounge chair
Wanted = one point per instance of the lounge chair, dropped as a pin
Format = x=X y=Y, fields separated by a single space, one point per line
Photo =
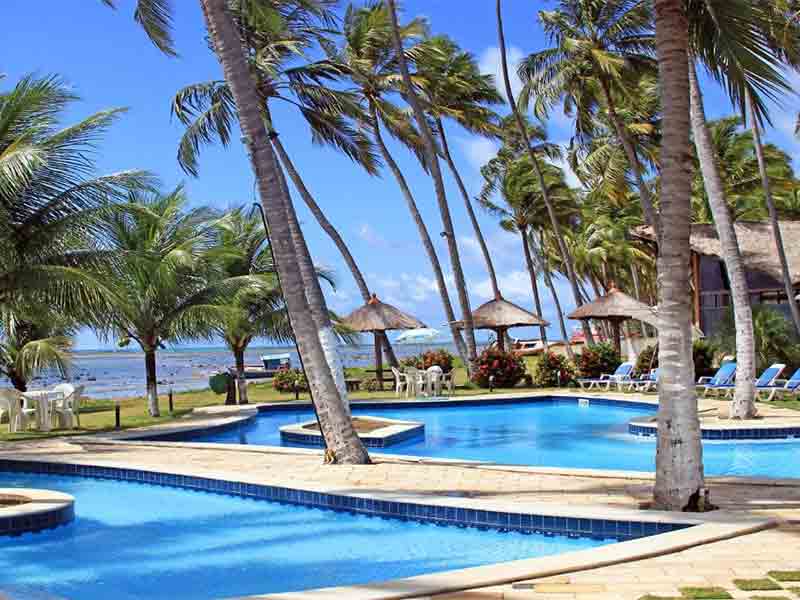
x=620 y=377
x=779 y=387
x=720 y=381
x=764 y=381
x=646 y=382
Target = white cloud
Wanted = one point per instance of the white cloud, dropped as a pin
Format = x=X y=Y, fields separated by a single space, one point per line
x=514 y=285
x=489 y=63
x=478 y=150
x=372 y=237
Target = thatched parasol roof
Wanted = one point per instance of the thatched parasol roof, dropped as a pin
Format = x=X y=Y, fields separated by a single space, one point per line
x=379 y=316
x=502 y=314
x=616 y=305
x=755 y=243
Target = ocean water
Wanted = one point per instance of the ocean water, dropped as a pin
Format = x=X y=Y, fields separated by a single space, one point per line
x=120 y=374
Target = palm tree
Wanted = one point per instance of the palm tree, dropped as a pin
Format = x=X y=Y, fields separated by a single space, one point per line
x=556 y=229
x=453 y=87
x=679 y=483
x=163 y=281
x=370 y=63
x=598 y=48
x=51 y=199
x=725 y=37
x=32 y=341
x=344 y=445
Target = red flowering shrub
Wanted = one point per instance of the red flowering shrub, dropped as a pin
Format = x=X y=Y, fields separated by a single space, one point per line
x=596 y=359
x=506 y=367
x=553 y=370
x=430 y=358
x=286 y=380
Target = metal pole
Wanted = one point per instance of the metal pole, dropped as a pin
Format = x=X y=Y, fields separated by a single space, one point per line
x=289 y=316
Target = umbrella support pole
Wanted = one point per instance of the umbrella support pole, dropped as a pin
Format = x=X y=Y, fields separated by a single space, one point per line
x=615 y=326
x=378 y=361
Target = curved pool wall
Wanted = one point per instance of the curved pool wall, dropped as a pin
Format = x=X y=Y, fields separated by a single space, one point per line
x=541 y=431
x=132 y=539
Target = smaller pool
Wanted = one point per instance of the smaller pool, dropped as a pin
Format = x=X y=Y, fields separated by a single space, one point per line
x=132 y=541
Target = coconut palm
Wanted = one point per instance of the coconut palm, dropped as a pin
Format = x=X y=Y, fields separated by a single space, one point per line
x=432 y=158
x=344 y=445
x=679 y=483
x=51 y=198
x=726 y=38
x=33 y=340
x=165 y=278
x=598 y=48
x=367 y=56
x=556 y=228
x=452 y=87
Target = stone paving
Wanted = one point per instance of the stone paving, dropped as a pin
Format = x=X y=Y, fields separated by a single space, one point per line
x=715 y=564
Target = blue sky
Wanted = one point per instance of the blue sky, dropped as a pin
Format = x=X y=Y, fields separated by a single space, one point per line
x=108 y=60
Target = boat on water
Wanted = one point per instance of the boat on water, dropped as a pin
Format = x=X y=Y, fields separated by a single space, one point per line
x=271 y=364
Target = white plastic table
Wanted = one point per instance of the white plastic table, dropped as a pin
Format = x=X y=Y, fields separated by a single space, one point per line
x=44 y=399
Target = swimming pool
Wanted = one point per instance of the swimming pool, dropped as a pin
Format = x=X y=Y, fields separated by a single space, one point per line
x=132 y=541
x=553 y=432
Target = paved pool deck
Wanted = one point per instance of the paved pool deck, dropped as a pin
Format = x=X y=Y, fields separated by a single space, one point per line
x=751 y=534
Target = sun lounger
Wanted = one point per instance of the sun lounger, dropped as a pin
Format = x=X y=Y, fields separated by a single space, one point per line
x=720 y=381
x=781 y=387
x=620 y=377
x=646 y=382
x=765 y=380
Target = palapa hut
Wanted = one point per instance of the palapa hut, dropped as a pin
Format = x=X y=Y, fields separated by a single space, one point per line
x=501 y=315
x=711 y=287
x=616 y=307
x=376 y=316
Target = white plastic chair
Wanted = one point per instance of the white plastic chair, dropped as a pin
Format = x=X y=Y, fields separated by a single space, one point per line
x=400 y=381
x=415 y=382
x=434 y=380
x=11 y=404
x=448 y=381
x=68 y=407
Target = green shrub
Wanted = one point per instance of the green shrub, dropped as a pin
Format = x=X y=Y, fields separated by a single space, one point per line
x=430 y=358
x=371 y=384
x=596 y=359
x=703 y=352
x=553 y=370
x=219 y=383
x=775 y=337
x=290 y=379
x=506 y=368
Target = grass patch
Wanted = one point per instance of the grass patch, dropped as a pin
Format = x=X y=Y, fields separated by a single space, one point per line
x=705 y=593
x=794 y=590
x=757 y=597
x=756 y=585
x=785 y=575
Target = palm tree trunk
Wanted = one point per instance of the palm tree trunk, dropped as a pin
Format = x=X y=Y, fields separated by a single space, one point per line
x=743 y=405
x=423 y=234
x=487 y=258
x=562 y=245
x=432 y=153
x=773 y=215
x=645 y=197
x=332 y=232
x=679 y=481
x=548 y=281
x=152 y=382
x=241 y=380
x=18 y=381
x=343 y=443
x=523 y=232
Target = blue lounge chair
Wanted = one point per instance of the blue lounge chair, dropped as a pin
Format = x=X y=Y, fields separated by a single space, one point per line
x=620 y=377
x=765 y=380
x=778 y=387
x=720 y=381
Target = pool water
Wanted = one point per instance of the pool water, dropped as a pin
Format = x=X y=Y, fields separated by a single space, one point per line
x=553 y=433
x=134 y=541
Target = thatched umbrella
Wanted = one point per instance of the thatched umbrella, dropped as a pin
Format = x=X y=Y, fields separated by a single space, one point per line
x=376 y=316
x=501 y=315
x=616 y=307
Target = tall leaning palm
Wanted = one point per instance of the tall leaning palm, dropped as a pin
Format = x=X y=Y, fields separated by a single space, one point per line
x=367 y=56
x=452 y=87
x=51 y=198
x=431 y=153
x=343 y=443
x=679 y=483
x=599 y=47
x=725 y=37
x=556 y=228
